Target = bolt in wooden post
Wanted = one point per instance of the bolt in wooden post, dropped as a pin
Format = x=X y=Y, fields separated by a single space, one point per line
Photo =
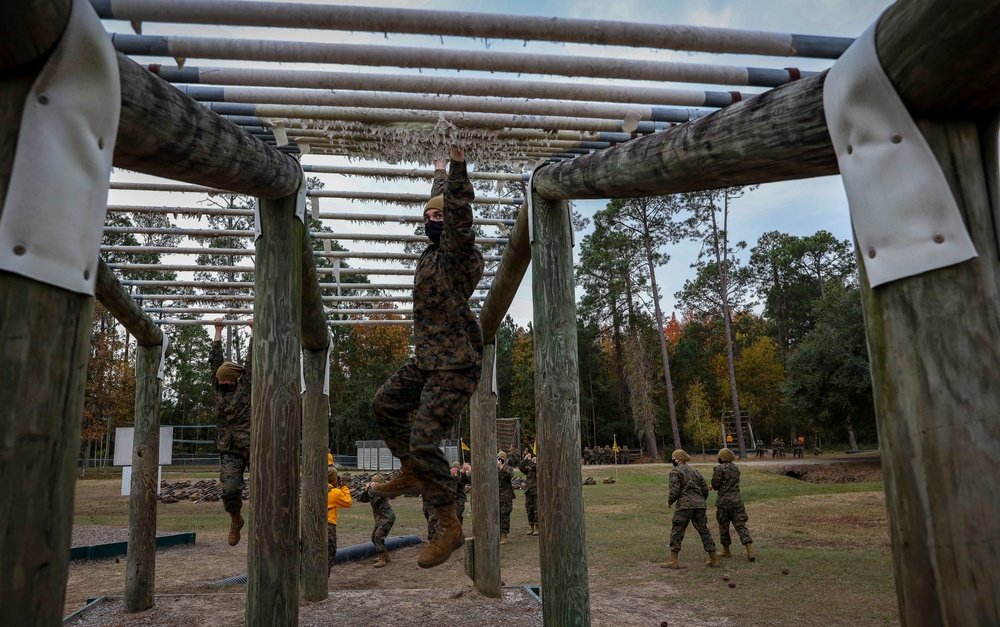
x=563 y=543
x=486 y=483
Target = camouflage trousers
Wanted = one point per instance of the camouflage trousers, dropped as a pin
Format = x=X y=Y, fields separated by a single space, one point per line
x=438 y=396
x=460 y=510
x=234 y=463
x=382 y=528
x=531 y=506
x=737 y=516
x=506 y=506
x=697 y=518
x=331 y=545
x=432 y=519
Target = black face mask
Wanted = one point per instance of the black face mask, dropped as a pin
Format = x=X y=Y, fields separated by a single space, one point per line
x=720 y=460
x=434 y=229
x=674 y=462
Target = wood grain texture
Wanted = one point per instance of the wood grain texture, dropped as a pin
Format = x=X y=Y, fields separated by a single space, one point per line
x=140 y=569
x=485 y=498
x=30 y=29
x=935 y=361
x=273 y=553
x=165 y=133
x=509 y=274
x=315 y=333
x=563 y=543
x=313 y=532
x=123 y=307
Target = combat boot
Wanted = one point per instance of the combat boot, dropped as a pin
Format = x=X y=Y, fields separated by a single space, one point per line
x=234 y=528
x=673 y=563
x=750 y=556
x=449 y=537
x=503 y=538
x=383 y=557
x=534 y=530
x=404 y=483
x=713 y=559
x=725 y=552
x=531 y=530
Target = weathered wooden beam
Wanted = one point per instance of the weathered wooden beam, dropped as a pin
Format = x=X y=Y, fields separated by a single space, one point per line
x=315 y=425
x=140 y=570
x=123 y=307
x=506 y=281
x=563 y=544
x=485 y=503
x=45 y=343
x=315 y=333
x=940 y=395
x=165 y=133
x=273 y=554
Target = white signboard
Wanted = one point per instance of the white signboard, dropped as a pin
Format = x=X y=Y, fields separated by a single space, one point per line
x=127 y=480
x=123 y=445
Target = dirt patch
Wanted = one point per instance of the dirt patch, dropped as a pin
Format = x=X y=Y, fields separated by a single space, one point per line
x=854 y=472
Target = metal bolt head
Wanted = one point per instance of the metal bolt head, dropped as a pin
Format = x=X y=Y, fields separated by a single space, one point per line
x=939 y=239
x=20 y=250
x=86 y=274
x=850 y=149
x=43 y=99
x=896 y=139
x=871 y=252
x=100 y=143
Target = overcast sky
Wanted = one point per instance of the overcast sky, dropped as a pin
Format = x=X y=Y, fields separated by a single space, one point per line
x=798 y=207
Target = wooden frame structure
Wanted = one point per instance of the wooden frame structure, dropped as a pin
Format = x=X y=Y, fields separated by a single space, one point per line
x=933 y=395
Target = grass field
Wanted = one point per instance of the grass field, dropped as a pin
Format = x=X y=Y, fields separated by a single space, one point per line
x=823 y=549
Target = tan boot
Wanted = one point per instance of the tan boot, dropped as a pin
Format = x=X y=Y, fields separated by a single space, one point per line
x=404 y=483
x=385 y=556
x=534 y=530
x=750 y=556
x=713 y=559
x=382 y=559
x=503 y=538
x=725 y=552
x=449 y=537
x=234 y=528
x=531 y=530
x=673 y=563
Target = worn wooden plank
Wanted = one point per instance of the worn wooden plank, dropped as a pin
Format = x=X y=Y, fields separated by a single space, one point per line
x=273 y=553
x=165 y=133
x=563 y=544
x=485 y=498
x=312 y=526
x=123 y=307
x=935 y=361
x=140 y=570
x=509 y=274
x=45 y=343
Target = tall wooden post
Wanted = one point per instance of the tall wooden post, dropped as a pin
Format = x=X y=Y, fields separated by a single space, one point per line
x=315 y=423
x=485 y=482
x=935 y=360
x=273 y=554
x=45 y=343
x=140 y=571
x=563 y=546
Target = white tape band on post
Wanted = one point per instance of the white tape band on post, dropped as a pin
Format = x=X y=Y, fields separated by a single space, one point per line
x=496 y=388
x=52 y=232
x=302 y=370
x=256 y=219
x=300 y=198
x=905 y=218
x=326 y=371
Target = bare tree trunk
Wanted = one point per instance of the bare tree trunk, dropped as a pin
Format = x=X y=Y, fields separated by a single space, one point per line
x=663 y=351
x=852 y=439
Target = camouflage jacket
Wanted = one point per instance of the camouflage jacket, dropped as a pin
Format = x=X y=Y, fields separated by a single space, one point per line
x=530 y=470
x=462 y=479
x=687 y=488
x=726 y=481
x=505 y=474
x=232 y=402
x=381 y=508
x=446 y=332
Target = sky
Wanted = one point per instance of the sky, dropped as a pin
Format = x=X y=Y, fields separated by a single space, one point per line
x=796 y=207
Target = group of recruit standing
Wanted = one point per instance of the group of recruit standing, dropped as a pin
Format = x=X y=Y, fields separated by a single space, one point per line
x=689 y=492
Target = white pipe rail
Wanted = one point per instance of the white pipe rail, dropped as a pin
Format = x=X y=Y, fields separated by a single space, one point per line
x=180 y=322
x=414 y=199
x=248 y=298
x=316 y=235
x=476 y=25
x=323 y=215
x=229 y=310
x=469 y=60
x=391 y=173
x=251 y=269
x=245 y=252
x=218 y=285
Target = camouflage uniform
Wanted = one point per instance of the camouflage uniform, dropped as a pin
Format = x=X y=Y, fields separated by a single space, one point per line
x=688 y=490
x=462 y=479
x=587 y=455
x=729 y=504
x=530 y=470
x=439 y=380
x=430 y=516
x=385 y=517
x=232 y=417
x=506 y=496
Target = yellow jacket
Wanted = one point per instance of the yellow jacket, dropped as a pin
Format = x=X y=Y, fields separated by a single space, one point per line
x=337 y=497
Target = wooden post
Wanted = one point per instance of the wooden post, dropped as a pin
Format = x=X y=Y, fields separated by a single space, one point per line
x=935 y=360
x=315 y=424
x=563 y=546
x=485 y=482
x=140 y=571
x=508 y=277
x=45 y=343
x=123 y=307
x=273 y=554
